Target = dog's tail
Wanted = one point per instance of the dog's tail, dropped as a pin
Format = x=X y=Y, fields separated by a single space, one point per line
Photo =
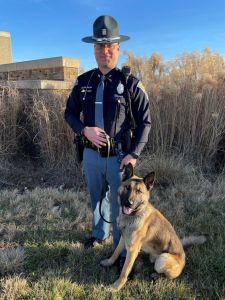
x=193 y=240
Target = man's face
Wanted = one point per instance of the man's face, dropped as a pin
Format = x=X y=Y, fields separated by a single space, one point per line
x=106 y=55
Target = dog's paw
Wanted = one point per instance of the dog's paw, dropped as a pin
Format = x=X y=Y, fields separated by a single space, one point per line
x=154 y=276
x=106 y=262
x=111 y=289
x=117 y=285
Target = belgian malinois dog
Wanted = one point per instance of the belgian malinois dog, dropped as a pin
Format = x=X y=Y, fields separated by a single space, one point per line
x=143 y=227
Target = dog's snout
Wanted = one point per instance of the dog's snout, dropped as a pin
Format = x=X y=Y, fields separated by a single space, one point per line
x=126 y=202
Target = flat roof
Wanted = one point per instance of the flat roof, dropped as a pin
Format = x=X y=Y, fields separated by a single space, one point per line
x=4 y=33
x=52 y=62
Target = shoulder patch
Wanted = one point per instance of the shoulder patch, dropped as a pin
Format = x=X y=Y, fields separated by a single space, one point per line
x=140 y=86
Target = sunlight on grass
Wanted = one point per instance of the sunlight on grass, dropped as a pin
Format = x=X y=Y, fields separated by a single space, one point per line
x=54 y=265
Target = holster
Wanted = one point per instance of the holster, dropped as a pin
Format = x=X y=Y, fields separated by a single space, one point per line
x=79 y=142
x=126 y=140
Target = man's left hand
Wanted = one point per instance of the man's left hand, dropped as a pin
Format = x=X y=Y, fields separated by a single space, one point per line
x=126 y=160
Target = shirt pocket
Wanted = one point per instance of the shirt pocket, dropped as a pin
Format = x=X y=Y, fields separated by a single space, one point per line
x=88 y=108
x=121 y=106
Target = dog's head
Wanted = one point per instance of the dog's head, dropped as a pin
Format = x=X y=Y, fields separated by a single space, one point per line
x=134 y=192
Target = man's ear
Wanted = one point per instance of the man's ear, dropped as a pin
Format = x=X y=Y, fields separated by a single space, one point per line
x=128 y=172
x=149 y=180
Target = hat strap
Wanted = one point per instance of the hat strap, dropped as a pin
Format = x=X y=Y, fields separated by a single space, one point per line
x=105 y=39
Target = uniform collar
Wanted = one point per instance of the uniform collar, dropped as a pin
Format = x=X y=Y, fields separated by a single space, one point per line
x=109 y=75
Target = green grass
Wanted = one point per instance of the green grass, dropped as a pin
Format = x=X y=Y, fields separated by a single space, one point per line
x=48 y=225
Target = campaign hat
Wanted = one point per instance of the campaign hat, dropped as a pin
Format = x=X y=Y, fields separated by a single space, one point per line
x=105 y=31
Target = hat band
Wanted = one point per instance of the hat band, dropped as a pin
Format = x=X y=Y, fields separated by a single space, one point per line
x=105 y=39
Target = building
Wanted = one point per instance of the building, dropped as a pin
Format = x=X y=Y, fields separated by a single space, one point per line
x=47 y=73
x=5 y=48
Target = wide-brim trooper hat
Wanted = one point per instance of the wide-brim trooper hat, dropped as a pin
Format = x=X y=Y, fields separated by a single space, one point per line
x=105 y=31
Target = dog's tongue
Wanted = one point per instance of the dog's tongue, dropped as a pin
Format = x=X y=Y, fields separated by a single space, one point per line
x=127 y=210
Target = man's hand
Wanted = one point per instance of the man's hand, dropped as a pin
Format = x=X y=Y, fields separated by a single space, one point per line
x=95 y=135
x=126 y=160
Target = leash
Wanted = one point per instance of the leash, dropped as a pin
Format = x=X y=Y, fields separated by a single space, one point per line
x=126 y=72
x=104 y=190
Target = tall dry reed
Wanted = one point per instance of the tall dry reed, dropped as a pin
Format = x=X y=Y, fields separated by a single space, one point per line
x=187 y=121
x=10 y=107
x=53 y=135
x=187 y=98
x=187 y=108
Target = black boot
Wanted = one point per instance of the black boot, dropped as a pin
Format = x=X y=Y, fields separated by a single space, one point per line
x=91 y=242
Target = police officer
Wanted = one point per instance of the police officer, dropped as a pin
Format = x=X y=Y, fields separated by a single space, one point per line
x=100 y=95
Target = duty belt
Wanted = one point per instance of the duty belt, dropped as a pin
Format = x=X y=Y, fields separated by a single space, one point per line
x=111 y=149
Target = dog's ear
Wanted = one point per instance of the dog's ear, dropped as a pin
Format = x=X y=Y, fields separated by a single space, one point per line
x=149 y=180
x=128 y=172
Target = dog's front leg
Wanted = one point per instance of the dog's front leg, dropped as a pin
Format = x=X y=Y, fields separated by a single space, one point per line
x=129 y=262
x=110 y=261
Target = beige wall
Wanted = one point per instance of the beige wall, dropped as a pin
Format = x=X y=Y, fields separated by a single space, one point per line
x=5 y=48
x=56 y=85
x=55 y=68
x=60 y=73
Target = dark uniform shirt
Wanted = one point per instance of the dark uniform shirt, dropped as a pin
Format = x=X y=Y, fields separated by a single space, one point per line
x=115 y=106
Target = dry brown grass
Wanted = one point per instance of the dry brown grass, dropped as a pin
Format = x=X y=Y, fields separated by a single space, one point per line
x=53 y=135
x=11 y=260
x=188 y=122
x=10 y=108
x=187 y=108
x=187 y=103
x=13 y=288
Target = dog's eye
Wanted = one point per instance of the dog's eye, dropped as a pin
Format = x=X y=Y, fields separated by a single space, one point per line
x=138 y=191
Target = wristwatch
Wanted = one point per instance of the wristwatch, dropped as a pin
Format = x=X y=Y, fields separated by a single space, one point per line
x=134 y=155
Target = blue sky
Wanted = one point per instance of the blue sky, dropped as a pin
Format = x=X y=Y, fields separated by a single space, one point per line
x=49 y=28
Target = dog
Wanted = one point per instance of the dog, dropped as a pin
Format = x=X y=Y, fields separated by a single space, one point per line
x=143 y=227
